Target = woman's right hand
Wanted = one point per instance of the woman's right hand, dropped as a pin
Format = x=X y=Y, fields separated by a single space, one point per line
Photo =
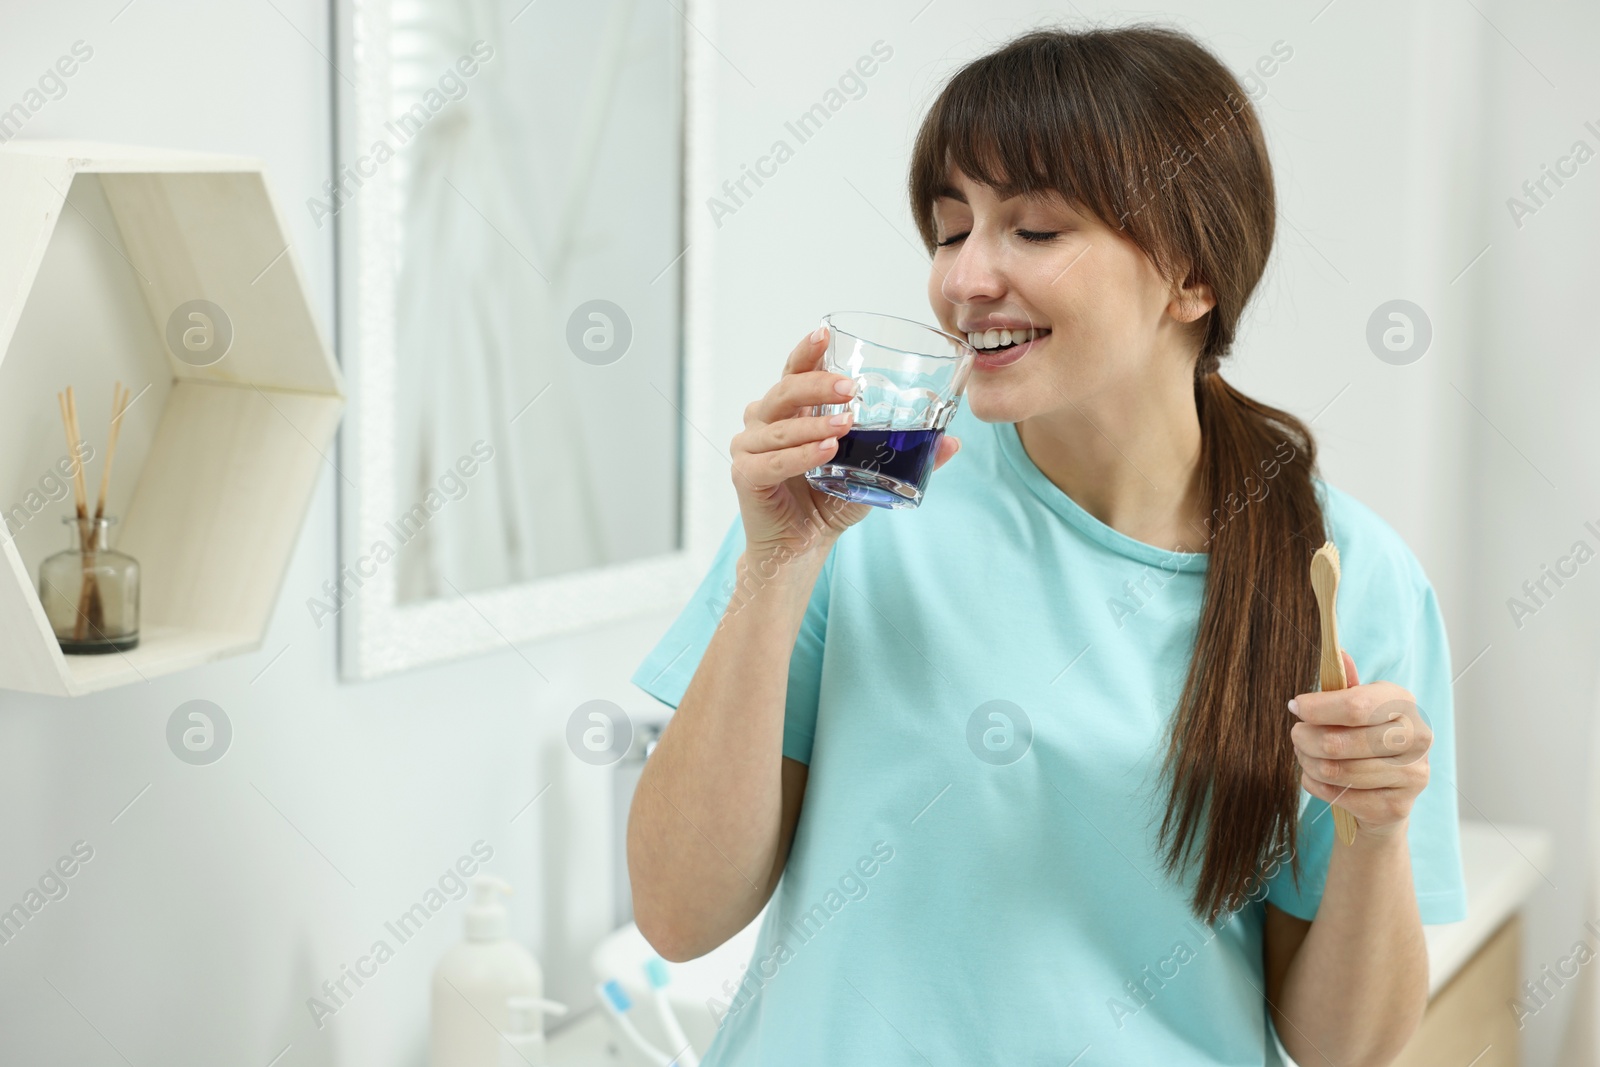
x=783 y=515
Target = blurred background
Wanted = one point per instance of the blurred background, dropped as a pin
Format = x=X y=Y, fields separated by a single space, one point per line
x=1406 y=139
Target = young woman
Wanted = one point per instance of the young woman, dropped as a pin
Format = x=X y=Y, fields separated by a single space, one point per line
x=1022 y=755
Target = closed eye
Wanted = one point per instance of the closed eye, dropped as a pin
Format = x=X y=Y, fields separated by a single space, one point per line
x=1034 y=236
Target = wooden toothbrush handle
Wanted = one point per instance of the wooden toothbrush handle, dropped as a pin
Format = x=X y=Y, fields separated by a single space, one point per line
x=1344 y=824
x=1333 y=677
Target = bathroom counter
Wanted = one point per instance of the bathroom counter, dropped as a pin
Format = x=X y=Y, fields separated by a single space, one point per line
x=1502 y=864
x=584 y=1042
x=1474 y=965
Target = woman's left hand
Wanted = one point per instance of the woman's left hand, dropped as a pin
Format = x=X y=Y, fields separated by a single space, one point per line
x=1365 y=748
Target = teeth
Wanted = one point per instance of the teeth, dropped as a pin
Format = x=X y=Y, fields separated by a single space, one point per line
x=998 y=338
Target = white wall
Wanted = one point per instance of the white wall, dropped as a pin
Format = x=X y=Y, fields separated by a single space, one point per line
x=1529 y=706
x=209 y=914
x=221 y=899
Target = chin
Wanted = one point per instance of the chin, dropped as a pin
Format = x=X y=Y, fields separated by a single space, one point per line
x=991 y=401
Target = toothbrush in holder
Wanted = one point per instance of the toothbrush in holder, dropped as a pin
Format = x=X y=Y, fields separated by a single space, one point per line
x=617 y=1002
x=655 y=969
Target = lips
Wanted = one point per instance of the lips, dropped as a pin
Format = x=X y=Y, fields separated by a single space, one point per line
x=996 y=358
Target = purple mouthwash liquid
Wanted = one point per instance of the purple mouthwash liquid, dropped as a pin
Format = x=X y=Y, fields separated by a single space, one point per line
x=885 y=466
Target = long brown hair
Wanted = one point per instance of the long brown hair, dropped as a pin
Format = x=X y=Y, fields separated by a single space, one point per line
x=1146 y=129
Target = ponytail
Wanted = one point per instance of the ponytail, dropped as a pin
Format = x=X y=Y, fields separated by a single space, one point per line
x=1230 y=760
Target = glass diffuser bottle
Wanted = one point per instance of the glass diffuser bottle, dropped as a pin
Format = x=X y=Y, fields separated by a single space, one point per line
x=90 y=591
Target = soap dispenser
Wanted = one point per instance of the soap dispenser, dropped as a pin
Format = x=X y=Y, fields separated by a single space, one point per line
x=472 y=982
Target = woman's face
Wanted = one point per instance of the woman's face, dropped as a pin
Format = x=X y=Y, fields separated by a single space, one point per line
x=1105 y=320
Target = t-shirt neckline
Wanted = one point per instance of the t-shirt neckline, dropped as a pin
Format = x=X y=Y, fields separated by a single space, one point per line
x=1074 y=513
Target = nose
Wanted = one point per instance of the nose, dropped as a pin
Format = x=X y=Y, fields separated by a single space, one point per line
x=974 y=275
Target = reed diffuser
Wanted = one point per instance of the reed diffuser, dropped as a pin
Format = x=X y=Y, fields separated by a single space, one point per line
x=90 y=592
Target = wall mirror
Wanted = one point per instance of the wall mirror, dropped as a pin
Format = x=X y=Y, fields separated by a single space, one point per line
x=517 y=318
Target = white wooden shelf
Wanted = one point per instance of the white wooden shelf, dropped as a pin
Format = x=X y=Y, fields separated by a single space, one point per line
x=99 y=246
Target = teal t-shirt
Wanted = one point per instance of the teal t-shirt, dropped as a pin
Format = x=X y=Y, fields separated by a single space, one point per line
x=983 y=689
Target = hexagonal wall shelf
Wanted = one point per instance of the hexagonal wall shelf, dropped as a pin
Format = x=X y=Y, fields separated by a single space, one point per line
x=101 y=247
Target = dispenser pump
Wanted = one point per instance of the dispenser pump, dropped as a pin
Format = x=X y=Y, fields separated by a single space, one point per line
x=526 y=1017
x=486 y=914
x=527 y=1014
x=523 y=1044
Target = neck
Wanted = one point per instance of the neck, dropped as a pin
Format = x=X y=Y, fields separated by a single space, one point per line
x=1131 y=459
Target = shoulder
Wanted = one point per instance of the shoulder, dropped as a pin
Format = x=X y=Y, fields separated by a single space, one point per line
x=1376 y=564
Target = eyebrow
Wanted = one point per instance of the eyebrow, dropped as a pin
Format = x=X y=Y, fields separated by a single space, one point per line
x=950 y=191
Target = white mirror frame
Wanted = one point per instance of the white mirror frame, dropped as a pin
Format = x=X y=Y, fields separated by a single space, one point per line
x=378 y=634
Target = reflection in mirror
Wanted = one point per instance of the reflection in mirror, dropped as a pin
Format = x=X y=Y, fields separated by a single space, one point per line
x=537 y=218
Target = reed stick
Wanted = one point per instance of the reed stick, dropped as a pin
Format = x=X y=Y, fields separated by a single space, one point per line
x=88 y=589
x=119 y=404
x=65 y=401
x=77 y=443
x=66 y=425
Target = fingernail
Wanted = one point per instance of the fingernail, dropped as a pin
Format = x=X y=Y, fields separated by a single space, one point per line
x=845 y=388
x=1294 y=707
x=840 y=419
x=819 y=333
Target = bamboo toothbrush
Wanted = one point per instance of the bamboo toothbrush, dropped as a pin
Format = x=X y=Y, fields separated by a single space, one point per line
x=1325 y=584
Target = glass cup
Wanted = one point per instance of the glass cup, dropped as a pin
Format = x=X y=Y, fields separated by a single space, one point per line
x=909 y=379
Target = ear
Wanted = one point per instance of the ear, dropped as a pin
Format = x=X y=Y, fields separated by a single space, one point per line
x=1190 y=300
